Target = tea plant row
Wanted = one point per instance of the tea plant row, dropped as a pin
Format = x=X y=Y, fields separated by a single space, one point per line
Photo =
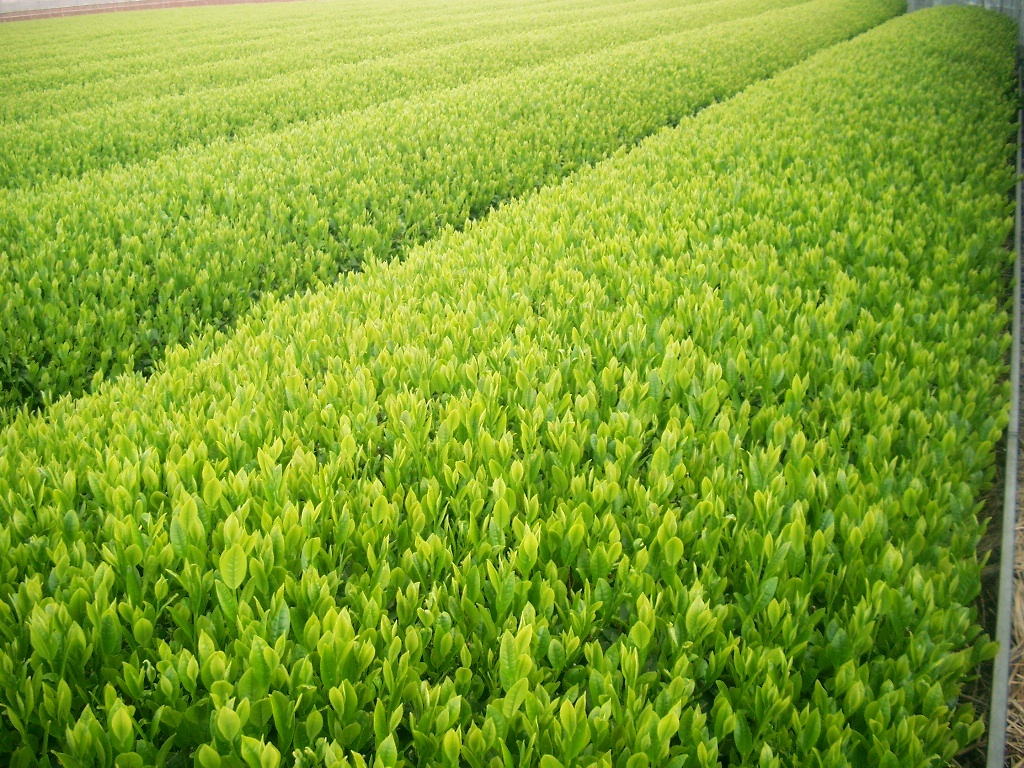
x=100 y=62
x=37 y=150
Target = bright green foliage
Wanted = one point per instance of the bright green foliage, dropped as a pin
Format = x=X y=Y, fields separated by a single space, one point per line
x=677 y=463
x=106 y=272
x=95 y=61
x=143 y=128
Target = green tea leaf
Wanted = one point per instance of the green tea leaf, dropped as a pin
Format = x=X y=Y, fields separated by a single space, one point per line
x=233 y=566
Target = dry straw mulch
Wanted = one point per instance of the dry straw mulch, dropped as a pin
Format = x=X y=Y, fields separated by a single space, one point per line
x=1015 y=715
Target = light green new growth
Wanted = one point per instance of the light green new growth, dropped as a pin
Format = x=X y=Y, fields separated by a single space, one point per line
x=106 y=272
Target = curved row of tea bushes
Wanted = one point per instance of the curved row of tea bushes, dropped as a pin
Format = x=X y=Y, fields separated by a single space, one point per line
x=176 y=64
x=103 y=274
x=125 y=50
x=676 y=463
x=35 y=151
x=45 y=78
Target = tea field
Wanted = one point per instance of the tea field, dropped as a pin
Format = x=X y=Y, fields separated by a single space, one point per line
x=107 y=270
x=569 y=383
